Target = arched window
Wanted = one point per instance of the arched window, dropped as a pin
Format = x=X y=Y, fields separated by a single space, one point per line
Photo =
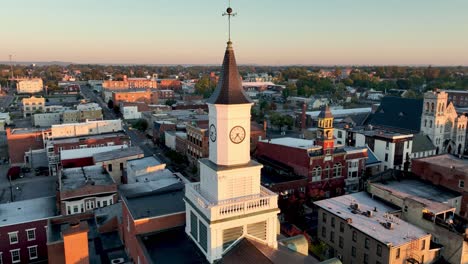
x=317 y=174
x=430 y=124
x=337 y=170
x=427 y=106
x=432 y=107
x=425 y=122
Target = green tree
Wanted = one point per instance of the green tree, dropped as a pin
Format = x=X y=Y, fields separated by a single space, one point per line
x=170 y=102
x=205 y=86
x=110 y=104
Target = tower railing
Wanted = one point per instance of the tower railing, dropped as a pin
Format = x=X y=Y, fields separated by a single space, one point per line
x=232 y=207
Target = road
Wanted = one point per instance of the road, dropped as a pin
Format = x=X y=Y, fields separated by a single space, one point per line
x=28 y=188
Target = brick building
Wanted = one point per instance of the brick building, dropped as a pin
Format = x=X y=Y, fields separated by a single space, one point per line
x=34 y=85
x=330 y=170
x=159 y=127
x=115 y=161
x=84 y=189
x=23 y=233
x=22 y=140
x=447 y=171
x=127 y=83
x=166 y=94
x=146 y=96
x=169 y=84
x=32 y=105
x=197 y=142
x=459 y=98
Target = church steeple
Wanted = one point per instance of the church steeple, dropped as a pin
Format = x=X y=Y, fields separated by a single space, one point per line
x=229 y=89
x=325 y=136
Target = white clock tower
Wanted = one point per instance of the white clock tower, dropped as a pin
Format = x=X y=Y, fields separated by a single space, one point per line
x=229 y=204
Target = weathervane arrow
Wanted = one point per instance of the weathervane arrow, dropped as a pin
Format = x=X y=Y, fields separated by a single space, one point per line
x=229 y=14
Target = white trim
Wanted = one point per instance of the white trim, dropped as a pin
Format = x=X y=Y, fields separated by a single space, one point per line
x=34 y=232
x=17 y=238
x=1 y=257
x=19 y=255
x=29 y=252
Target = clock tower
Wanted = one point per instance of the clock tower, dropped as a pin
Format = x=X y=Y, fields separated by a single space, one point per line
x=325 y=136
x=229 y=204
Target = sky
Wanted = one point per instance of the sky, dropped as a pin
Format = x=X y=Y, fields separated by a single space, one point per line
x=266 y=32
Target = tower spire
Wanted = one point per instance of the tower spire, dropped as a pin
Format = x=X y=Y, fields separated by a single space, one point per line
x=229 y=14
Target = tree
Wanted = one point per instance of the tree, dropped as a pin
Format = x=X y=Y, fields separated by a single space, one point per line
x=141 y=124
x=205 y=86
x=170 y=102
x=110 y=104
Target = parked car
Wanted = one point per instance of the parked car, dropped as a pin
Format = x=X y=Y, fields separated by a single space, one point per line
x=25 y=169
x=42 y=171
x=14 y=173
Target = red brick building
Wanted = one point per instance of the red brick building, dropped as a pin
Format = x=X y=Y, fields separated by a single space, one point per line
x=447 y=171
x=23 y=232
x=328 y=170
x=159 y=127
x=146 y=96
x=169 y=84
x=22 y=140
x=197 y=142
x=166 y=94
x=127 y=83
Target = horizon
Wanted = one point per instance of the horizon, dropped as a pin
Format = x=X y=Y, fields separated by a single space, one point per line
x=365 y=33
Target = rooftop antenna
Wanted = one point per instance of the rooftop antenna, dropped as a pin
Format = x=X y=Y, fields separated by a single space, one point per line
x=229 y=14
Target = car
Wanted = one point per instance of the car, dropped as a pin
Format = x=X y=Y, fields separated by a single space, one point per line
x=25 y=169
x=14 y=173
x=42 y=170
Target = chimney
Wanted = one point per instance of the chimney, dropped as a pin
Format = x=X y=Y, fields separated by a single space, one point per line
x=75 y=243
x=264 y=125
x=125 y=78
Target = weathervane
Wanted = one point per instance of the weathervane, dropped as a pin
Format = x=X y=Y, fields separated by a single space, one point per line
x=229 y=14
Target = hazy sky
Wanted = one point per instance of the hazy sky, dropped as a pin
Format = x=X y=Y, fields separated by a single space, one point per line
x=264 y=32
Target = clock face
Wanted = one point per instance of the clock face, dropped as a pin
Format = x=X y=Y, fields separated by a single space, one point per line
x=212 y=133
x=237 y=134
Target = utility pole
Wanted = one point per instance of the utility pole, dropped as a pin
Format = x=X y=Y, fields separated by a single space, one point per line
x=11 y=71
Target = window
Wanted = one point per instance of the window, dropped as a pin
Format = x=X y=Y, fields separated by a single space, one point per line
x=461 y=183
x=15 y=256
x=340 y=242
x=104 y=203
x=332 y=236
x=340 y=134
x=333 y=222
x=324 y=232
x=31 y=233
x=386 y=156
x=353 y=251
x=75 y=209
x=387 y=145
x=398 y=253
x=379 y=250
x=354 y=236
x=316 y=174
x=324 y=217
x=337 y=170
x=109 y=167
x=13 y=237
x=423 y=246
x=121 y=166
x=366 y=258
x=366 y=243
x=341 y=227
x=32 y=252
x=194 y=226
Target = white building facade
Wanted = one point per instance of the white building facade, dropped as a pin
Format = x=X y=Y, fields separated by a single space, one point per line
x=30 y=86
x=442 y=124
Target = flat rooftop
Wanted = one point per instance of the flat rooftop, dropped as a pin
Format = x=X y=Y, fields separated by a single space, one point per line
x=402 y=233
x=292 y=142
x=87 y=152
x=86 y=137
x=117 y=154
x=382 y=133
x=342 y=112
x=155 y=175
x=74 y=178
x=163 y=201
x=432 y=196
x=27 y=210
x=143 y=163
x=448 y=161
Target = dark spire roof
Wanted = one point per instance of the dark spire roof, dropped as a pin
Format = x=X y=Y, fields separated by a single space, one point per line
x=229 y=89
x=325 y=113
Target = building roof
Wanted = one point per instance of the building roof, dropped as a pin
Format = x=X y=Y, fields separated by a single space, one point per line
x=447 y=161
x=163 y=201
x=117 y=154
x=229 y=89
x=432 y=196
x=171 y=246
x=372 y=159
x=291 y=142
x=402 y=232
x=138 y=188
x=398 y=113
x=422 y=143
x=86 y=137
x=27 y=210
x=143 y=163
x=75 y=178
x=342 y=112
x=155 y=175
x=68 y=154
